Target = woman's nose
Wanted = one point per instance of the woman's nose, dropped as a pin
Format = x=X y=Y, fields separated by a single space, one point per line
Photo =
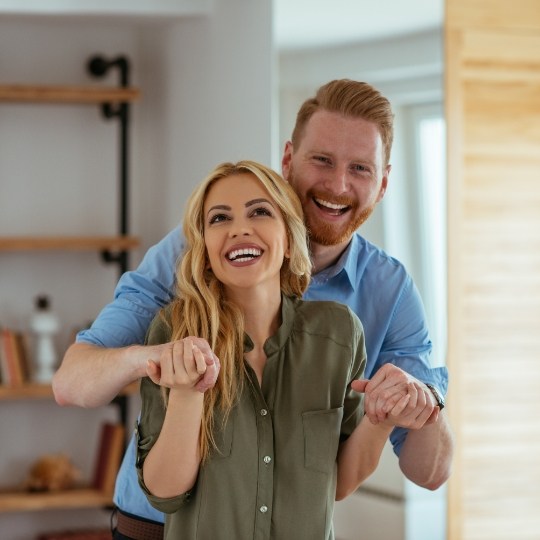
x=240 y=228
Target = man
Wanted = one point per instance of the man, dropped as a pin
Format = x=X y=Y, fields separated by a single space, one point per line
x=338 y=163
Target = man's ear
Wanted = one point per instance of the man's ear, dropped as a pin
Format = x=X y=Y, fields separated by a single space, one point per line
x=384 y=183
x=286 y=160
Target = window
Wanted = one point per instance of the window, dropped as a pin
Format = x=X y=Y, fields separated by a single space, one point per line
x=430 y=144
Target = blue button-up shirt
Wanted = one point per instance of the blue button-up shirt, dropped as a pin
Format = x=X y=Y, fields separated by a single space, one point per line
x=374 y=285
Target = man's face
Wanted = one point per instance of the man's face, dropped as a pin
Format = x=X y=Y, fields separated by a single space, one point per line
x=337 y=171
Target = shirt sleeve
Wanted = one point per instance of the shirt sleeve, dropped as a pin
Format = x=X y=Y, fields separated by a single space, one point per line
x=138 y=296
x=407 y=345
x=151 y=422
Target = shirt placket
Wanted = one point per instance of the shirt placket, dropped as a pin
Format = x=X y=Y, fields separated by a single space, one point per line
x=265 y=484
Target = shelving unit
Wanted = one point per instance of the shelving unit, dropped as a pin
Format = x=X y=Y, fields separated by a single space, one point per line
x=115 y=104
x=16 y=500
x=21 y=501
x=19 y=93
x=68 y=243
x=44 y=391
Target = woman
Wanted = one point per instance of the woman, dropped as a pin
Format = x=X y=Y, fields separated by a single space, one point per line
x=266 y=451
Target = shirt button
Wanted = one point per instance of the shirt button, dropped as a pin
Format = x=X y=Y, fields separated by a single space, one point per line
x=264 y=412
x=267 y=459
x=263 y=509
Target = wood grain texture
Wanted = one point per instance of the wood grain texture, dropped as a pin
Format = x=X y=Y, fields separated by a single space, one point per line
x=493 y=118
x=21 y=93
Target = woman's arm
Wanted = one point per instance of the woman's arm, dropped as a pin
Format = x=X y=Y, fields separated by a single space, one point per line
x=359 y=455
x=172 y=465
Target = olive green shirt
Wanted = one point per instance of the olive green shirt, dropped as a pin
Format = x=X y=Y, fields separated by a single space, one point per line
x=274 y=474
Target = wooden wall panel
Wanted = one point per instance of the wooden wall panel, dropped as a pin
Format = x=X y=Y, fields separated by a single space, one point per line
x=493 y=116
x=493 y=14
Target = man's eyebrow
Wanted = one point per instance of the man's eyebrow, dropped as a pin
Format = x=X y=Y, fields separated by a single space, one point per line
x=257 y=201
x=219 y=207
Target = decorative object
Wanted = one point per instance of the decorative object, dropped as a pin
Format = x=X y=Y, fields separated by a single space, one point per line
x=44 y=324
x=52 y=472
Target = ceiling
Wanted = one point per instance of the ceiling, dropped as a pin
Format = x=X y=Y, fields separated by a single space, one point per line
x=300 y=24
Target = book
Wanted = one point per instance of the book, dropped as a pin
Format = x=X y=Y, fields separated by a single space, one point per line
x=21 y=344
x=109 y=455
x=11 y=361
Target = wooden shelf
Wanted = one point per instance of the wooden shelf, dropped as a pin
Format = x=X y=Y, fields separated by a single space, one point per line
x=44 y=391
x=114 y=103
x=68 y=243
x=20 y=93
x=21 y=501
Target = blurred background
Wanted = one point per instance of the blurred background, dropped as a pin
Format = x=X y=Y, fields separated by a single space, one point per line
x=218 y=81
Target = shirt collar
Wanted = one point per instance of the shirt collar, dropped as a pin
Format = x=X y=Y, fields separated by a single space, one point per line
x=347 y=263
x=277 y=341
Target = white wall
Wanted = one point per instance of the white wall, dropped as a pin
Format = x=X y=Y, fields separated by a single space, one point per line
x=206 y=85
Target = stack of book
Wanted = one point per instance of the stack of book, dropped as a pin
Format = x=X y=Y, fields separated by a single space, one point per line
x=14 y=361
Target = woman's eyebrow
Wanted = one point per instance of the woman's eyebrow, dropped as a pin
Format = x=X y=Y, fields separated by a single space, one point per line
x=257 y=201
x=218 y=207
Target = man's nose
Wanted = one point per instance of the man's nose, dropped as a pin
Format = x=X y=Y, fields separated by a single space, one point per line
x=337 y=181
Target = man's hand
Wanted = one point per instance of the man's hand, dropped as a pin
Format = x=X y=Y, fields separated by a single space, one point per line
x=387 y=388
x=189 y=362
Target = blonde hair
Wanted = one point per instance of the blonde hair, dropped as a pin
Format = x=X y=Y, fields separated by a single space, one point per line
x=201 y=308
x=351 y=99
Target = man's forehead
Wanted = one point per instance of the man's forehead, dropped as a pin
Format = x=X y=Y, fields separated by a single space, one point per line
x=333 y=132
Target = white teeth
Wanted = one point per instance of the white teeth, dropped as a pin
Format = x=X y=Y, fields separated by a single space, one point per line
x=331 y=205
x=243 y=254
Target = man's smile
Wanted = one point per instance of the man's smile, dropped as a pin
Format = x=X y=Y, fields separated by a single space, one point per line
x=332 y=208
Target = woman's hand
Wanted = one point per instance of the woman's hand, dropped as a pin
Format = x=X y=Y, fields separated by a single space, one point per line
x=186 y=363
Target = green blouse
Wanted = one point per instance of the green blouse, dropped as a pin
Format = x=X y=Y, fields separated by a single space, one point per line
x=274 y=474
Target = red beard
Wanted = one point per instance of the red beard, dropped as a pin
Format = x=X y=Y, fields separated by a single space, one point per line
x=324 y=232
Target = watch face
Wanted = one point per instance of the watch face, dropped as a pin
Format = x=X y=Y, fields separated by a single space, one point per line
x=438 y=396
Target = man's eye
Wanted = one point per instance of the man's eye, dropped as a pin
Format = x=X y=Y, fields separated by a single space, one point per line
x=217 y=218
x=360 y=168
x=322 y=159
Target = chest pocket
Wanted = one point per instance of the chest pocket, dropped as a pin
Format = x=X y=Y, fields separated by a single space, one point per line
x=321 y=438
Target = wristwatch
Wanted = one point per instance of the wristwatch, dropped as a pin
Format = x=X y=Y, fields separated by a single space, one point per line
x=439 y=398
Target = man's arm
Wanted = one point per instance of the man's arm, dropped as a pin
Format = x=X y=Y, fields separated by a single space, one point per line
x=91 y=376
x=426 y=455
x=109 y=355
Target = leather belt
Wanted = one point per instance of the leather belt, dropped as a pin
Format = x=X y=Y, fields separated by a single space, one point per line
x=138 y=529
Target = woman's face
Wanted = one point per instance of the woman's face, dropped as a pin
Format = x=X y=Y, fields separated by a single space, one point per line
x=245 y=235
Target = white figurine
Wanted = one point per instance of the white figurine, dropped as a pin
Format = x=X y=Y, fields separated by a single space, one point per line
x=44 y=324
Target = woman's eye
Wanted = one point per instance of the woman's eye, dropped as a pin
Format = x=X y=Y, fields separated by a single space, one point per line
x=217 y=218
x=261 y=212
